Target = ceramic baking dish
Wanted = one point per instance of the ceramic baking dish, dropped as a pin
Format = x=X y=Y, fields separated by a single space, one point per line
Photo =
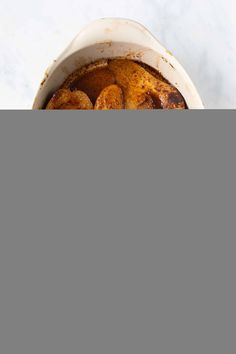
x=114 y=37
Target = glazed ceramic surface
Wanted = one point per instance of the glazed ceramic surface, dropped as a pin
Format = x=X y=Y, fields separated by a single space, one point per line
x=110 y=38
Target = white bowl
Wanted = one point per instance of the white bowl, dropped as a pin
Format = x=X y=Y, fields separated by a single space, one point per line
x=114 y=37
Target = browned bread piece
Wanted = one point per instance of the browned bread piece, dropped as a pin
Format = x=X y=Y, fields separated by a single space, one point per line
x=141 y=89
x=111 y=97
x=67 y=99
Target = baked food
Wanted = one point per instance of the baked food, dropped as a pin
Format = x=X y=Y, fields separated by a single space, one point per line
x=67 y=99
x=116 y=84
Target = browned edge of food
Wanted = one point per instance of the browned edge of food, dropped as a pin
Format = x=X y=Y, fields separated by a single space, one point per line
x=72 y=81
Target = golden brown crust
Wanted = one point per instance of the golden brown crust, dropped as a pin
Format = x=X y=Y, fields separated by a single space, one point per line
x=66 y=99
x=116 y=84
x=111 y=97
x=138 y=84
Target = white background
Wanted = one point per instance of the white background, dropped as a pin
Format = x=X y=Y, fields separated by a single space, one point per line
x=201 y=34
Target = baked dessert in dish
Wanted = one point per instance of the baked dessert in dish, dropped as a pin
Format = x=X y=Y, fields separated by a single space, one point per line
x=116 y=84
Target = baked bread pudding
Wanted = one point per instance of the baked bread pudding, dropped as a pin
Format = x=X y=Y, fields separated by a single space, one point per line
x=116 y=84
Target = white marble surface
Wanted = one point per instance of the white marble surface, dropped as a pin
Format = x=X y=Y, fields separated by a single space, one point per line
x=200 y=33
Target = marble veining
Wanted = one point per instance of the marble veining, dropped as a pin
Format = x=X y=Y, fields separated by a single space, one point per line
x=200 y=33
